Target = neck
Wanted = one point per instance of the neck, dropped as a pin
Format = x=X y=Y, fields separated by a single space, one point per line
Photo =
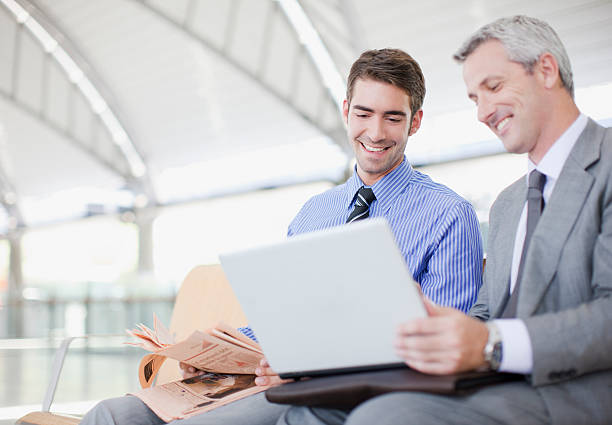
x=369 y=179
x=560 y=117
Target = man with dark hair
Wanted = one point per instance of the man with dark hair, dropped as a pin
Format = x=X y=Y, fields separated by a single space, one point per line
x=436 y=231
x=545 y=308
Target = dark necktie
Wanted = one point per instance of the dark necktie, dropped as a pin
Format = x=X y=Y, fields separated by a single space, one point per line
x=365 y=196
x=535 y=204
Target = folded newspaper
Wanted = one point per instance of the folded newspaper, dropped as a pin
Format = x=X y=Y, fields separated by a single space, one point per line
x=227 y=358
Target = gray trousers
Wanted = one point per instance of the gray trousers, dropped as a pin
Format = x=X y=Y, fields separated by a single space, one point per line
x=129 y=410
x=512 y=403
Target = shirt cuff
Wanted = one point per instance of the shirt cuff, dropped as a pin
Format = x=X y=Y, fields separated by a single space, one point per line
x=517 y=355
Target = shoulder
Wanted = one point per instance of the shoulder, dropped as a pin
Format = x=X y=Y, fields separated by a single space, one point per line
x=601 y=170
x=319 y=200
x=509 y=195
x=317 y=206
x=593 y=148
x=437 y=195
x=606 y=144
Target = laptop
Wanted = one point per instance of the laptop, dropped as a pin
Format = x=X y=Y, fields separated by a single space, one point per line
x=326 y=302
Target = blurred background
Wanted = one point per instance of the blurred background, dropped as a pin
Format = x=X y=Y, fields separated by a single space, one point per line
x=134 y=135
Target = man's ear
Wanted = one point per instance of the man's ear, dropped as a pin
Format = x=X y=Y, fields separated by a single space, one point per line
x=548 y=70
x=345 y=111
x=416 y=122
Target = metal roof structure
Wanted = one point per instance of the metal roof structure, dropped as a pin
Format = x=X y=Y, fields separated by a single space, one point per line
x=111 y=105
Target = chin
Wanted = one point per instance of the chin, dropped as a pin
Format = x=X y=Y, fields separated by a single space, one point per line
x=513 y=147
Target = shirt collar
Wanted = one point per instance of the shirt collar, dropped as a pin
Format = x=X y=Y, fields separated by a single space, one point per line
x=387 y=188
x=552 y=162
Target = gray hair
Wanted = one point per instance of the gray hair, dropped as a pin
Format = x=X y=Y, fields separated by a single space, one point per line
x=525 y=40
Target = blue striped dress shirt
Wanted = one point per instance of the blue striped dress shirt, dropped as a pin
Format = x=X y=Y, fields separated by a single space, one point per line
x=435 y=229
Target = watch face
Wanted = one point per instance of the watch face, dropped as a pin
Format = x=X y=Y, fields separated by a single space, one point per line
x=496 y=356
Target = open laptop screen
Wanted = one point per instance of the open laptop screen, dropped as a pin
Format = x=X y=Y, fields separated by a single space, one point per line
x=326 y=302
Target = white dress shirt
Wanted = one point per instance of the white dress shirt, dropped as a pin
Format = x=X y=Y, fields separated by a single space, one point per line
x=517 y=352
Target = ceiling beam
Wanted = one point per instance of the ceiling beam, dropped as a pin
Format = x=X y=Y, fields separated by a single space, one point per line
x=81 y=77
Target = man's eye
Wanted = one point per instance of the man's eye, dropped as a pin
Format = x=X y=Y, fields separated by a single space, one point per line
x=362 y=115
x=394 y=119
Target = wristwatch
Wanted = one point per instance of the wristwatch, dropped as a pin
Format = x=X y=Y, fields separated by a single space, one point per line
x=493 y=350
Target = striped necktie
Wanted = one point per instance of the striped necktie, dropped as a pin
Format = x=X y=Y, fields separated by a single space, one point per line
x=365 y=196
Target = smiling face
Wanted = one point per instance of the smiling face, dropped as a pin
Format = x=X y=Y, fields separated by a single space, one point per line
x=378 y=120
x=510 y=101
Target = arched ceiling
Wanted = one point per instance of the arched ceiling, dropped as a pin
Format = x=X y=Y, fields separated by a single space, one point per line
x=185 y=99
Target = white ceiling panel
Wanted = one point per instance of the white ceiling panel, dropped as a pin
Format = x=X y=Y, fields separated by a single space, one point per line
x=281 y=57
x=82 y=120
x=210 y=20
x=59 y=90
x=103 y=144
x=31 y=58
x=341 y=33
x=246 y=41
x=175 y=8
x=307 y=92
x=43 y=161
x=8 y=30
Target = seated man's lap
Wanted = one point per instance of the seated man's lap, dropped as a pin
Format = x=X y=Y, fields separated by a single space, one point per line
x=130 y=410
x=252 y=410
x=127 y=410
x=510 y=403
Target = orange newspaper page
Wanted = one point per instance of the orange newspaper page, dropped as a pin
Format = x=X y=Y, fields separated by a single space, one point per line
x=213 y=354
x=233 y=336
x=221 y=349
x=192 y=396
x=148 y=368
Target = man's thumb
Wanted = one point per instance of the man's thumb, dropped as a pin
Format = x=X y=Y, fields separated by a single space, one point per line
x=430 y=307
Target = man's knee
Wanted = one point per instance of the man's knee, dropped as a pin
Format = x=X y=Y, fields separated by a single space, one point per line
x=126 y=410
x=312 y=416
x=394 y=408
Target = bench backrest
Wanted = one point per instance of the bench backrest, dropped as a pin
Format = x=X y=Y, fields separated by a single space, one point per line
x=204 y=298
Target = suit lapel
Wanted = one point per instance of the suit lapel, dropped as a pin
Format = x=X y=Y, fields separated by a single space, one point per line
x=558 y=219
x=505 y=246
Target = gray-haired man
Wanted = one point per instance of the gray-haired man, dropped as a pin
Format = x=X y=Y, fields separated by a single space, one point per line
x=545 y=312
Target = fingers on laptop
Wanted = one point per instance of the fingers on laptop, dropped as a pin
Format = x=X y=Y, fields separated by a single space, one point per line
x=265 y=374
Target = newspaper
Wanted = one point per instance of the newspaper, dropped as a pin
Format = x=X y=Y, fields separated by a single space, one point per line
x=227 y=357
x=193 y=396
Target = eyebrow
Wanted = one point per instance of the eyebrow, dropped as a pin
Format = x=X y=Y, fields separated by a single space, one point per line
x=366 y=109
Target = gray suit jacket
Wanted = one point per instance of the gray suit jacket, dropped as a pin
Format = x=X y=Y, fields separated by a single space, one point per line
x=566 y=291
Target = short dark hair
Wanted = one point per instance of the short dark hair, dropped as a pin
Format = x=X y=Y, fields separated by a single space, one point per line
x=392 y=66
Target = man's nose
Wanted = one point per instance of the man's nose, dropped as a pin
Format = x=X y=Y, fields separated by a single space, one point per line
x=485 y=110
x=376 y=130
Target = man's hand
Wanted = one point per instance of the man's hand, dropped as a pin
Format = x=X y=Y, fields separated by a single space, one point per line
x=189 y=371
x=447 y=341
x=265 y=374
